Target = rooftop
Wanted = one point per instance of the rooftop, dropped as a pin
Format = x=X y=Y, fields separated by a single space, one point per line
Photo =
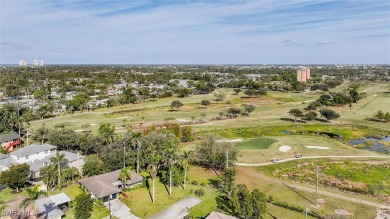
x=104 y=184
x=5 y=137
x=32 y=149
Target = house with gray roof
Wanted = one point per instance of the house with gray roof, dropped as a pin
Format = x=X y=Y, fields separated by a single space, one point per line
x=52 y=207
x=9 y=141
x=107 y=186
x=38 y=156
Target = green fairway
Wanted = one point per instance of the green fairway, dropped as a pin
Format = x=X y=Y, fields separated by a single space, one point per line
x=257 y=143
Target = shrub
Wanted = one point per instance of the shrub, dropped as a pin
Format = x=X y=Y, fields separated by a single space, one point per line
x=194 y=182
x=200 y=192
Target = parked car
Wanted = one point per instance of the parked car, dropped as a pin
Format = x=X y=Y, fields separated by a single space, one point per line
x=274 y=160
x=298 y=156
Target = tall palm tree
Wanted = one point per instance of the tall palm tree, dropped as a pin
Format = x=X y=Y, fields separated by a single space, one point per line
x=107 y=131
x=57 y=160
x=137 y=141
x=185 y=157
x=153 y=174
x=32 y=195
x=124 y=175
x=170 y=159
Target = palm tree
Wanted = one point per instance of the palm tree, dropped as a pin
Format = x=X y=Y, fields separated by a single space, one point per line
x=170 y=160
x=57 y=160
x=107 y=131
x=124 y=175
x=153 y=174
x=137 y=141
x=32 y=195
x=185 y=157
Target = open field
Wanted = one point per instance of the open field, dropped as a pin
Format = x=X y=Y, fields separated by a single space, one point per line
x=269 y=111
x=298 y=145
x=253 y=178
x=256 y=143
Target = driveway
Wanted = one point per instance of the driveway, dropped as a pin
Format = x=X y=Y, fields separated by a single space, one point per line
x=177 y=210
x=120 y=210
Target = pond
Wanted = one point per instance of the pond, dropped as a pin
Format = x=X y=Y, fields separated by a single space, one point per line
x=373 y=144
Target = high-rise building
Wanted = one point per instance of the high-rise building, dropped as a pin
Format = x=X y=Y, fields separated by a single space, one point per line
x=303 y=74
x=40 y=63
x=35 y=62
x=22 y=63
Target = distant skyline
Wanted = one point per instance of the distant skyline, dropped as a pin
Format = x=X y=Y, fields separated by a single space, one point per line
x=195 y=32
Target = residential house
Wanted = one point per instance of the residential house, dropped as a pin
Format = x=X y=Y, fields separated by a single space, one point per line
x=10 y=141
x=52 y=207
x=38 y=156
x=107 y=186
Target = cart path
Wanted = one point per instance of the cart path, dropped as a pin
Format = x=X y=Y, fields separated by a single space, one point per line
x=311 y=157
x=312 y=190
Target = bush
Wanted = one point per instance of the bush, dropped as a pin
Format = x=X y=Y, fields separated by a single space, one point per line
x=205 y=102
x=194 y=182
x=200 y=192
x=203 y=183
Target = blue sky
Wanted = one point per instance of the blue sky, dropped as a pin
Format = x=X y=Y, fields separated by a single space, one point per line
x=195 y=32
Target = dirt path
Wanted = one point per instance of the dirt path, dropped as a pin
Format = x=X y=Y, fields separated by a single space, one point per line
x=253 y=173
x=311 y=157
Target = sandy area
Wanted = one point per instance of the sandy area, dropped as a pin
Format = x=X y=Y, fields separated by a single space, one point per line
x=230 y=140
x=79 y=130
x=183 y=120
x=123 y=117
x=285 y=148
x=318 y=147
x=93 y=124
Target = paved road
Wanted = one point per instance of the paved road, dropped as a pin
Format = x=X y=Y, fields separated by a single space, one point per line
x=120 y=210
x=313 y=190
x=311 y=157
x=177 y=210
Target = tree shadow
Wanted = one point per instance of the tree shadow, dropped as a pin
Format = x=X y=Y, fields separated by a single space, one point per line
x=147 y=184
x=214 y=183
x=223 y=204
x=321 y=120
x=292 y=120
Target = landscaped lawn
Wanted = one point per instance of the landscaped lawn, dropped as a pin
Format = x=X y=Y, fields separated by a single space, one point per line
x=140 y=202
x=256 y=143
x=8 y=194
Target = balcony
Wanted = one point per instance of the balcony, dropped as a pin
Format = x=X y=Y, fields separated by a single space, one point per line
x=14 y=143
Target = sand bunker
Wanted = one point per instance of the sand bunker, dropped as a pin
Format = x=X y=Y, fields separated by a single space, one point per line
x=93 y=124
x=285 y=148
x=318 y=147
x=183 y=120
x=230 y=140
x=79 y=130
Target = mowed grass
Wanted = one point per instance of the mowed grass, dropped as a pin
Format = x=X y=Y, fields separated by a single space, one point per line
x=140 y=201
x=252 y=177
x=8 y=194
x=256 y=143
x=271 y=110
x=298 y=145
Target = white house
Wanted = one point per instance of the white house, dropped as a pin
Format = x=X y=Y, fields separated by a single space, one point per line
x=38 y=156
x=33 y=153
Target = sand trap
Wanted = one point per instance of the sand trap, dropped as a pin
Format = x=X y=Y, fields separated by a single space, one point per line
x=123 y=117
x=183 y=120
x=230 y=140
x=375 y=95
x=285 y=148
x=318 y=147
x=93 y=124
x=79 y=130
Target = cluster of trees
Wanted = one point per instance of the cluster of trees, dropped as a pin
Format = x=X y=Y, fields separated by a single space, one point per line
x=240 y=201
x=381 y=116
x=328 y=114
x=16 y=176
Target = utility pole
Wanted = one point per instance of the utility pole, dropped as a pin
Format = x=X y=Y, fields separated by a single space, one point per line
x=316 y=185
x=227 y=158
x=27 y=136
x=138 y=157
x=124 y=155
x=306 y=209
